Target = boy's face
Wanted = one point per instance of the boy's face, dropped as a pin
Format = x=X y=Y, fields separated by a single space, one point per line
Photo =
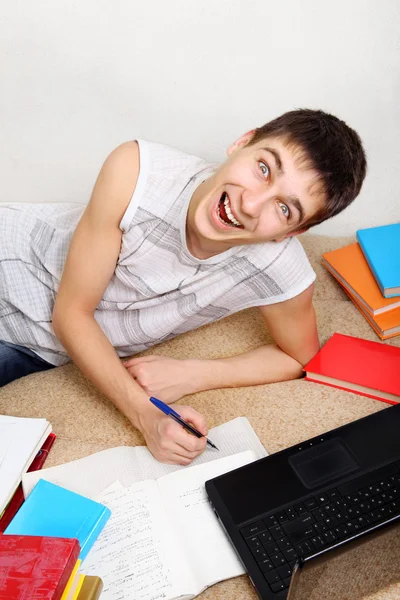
x=260 y=193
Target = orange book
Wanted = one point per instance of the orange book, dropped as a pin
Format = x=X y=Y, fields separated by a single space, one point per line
x=350 y=268
x=386 y=325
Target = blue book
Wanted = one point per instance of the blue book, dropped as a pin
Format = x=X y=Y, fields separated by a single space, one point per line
x=381 y=248
x=53 y=511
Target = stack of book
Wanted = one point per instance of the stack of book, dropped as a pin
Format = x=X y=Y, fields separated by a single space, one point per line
x=24 y=446
x=44 y=568
x=369 y=272
x=162 y=539
x=44 y=544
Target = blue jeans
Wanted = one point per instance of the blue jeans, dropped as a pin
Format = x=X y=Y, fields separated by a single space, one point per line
x=16 y=361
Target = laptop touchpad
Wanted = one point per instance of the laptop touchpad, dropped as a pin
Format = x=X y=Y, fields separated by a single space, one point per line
x=323 y=463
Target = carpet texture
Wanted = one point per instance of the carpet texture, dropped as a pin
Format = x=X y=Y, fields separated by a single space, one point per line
x=282 y=414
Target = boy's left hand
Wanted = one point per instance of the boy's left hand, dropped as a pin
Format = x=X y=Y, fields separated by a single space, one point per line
x=166 y=378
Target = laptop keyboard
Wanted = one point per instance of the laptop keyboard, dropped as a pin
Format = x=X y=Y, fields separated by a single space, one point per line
x=320 y=522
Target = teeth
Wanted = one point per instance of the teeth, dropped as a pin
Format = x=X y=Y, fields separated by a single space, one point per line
x=229 y=213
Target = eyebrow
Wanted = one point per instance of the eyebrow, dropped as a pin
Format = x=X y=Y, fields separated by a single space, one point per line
x=278 y=162
x=296 y=203
x=279 y=167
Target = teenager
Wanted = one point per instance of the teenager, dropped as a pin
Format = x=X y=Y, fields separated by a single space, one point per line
x=167 y=243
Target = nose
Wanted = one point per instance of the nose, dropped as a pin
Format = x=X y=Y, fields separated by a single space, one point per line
x=253 y=202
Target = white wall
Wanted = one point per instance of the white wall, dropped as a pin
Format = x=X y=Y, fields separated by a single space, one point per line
x=80 y=76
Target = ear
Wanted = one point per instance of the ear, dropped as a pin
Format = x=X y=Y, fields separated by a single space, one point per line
x=241 y=142
x=292 y=234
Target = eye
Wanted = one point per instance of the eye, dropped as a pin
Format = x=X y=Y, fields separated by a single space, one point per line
x=264 y=168
x=285 y=210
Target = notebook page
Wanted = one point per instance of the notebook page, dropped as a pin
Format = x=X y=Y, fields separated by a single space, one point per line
x=91 y=475
x=21 y=439
x=136 y=554
x=210 y=554
x=7 y=434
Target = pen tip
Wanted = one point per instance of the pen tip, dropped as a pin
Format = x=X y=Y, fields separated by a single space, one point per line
x=210 y=443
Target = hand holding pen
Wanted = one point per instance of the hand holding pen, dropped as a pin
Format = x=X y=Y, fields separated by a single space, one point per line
x=167 y=410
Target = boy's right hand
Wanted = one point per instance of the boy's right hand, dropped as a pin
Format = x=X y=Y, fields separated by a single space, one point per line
x=168 y=441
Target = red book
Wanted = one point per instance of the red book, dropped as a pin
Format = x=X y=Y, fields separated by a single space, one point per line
x=35 y=566
x=17 y=500
x=371 y=369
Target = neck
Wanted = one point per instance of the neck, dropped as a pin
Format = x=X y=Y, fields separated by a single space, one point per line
x=192 y=240
x=194 y=245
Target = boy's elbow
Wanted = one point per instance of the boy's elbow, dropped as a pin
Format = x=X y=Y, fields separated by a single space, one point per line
x=57 y=320
x=65 y=318
x=62 y=318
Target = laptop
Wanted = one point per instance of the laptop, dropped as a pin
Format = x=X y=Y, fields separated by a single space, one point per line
x=294 y=510
x=352 y=570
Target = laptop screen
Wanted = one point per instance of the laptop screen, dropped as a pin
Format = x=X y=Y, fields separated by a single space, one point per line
x=353 y=572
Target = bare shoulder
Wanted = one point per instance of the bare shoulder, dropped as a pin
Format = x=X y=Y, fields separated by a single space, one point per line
x=125 y=156
x=115 y=183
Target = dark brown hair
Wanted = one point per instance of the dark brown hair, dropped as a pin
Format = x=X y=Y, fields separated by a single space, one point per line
x=329 y=147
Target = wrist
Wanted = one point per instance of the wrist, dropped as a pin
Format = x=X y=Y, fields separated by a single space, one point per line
x=137 y=408
x=205 y=375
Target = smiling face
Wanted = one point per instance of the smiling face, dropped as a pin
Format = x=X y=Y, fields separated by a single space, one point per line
x=261 y=193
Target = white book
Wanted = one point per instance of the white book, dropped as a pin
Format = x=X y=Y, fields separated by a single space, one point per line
x=20 y=441
x=163 y=540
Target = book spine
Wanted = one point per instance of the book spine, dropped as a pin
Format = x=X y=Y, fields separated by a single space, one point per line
x=389 y=294
x=18 y=499
x=79 y=587
x=347 y=288
x=43 y=453
x=371 y=266
x=341 y=387
x=91 y=588
x=69 y=567
x=95 y=531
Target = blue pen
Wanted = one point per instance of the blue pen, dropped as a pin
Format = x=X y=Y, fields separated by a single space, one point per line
x=167 y=410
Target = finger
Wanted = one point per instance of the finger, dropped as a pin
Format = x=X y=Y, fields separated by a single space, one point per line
x=193 y=417
x=189 y=444
x=177 y=439
x=149 y=358
x=141 y=359
x=170 y=449
x=131 y=371
x=130 y=362
x=184 y=454
x=176 y=459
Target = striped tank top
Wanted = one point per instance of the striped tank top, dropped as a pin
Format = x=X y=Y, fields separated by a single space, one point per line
x=158 y=289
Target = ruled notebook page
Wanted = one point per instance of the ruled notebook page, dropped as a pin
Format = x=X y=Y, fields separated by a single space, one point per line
x=89 y=476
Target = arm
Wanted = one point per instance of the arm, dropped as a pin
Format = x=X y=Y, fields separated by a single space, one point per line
x=90 y=264
x=291 y=323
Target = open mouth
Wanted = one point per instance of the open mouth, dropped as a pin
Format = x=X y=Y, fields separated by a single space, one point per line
x=225 y=214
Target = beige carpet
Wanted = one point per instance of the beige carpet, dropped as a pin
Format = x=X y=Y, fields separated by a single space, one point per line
x=282 y=414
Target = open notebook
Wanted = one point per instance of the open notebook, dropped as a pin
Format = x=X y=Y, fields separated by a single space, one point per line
x=20 y=441
x=163 y=539
x=91 y=475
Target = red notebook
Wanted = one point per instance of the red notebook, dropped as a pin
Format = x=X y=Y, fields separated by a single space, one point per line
x=17 y=500
x=368 y=368
x=35 y=567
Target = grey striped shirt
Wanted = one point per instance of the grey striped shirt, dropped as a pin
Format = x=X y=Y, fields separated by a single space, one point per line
x=158 y=289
